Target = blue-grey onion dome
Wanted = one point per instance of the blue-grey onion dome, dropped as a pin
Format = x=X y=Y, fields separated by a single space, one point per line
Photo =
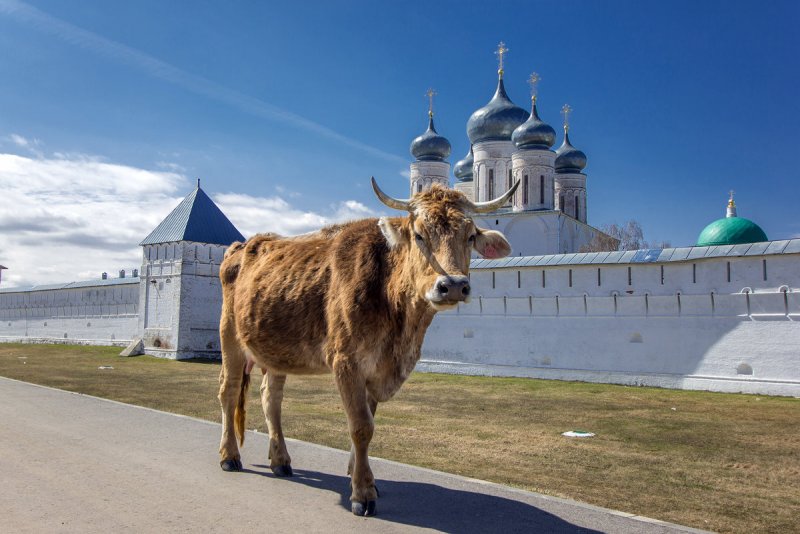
x=534 y=133
x=463 y=169
x=430 y=146
x=496 y=120
x=568 y=158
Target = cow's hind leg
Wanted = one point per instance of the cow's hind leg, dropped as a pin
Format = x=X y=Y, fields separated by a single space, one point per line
x=359 y=418
x=233 y=381
x=271 y=399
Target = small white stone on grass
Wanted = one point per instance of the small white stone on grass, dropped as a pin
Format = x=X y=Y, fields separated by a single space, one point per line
x=578 y=434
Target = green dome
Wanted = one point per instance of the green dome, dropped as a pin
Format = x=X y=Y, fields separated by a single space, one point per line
x=731 y=231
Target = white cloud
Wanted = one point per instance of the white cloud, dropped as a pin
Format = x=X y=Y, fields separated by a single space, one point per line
x=72 y=216
x=31 y=145
x=252 y=215
x=170 y=166
x=18 y=140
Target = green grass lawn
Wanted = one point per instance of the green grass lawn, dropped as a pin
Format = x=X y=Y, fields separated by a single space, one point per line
x=721 y=462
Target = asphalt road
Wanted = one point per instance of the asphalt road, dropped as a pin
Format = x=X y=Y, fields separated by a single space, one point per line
x=74 y=463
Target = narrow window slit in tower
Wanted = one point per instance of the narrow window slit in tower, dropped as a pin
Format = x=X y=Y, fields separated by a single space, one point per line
x=519 y=279
x=525 y=189
x=492 y=279
x=629 y=276
x=764 y=268
x=729 y=271
x=598 y=277
x=570 y=278
x=543 y=278
x=662 y=275
x=541 y=189
x=694 y=273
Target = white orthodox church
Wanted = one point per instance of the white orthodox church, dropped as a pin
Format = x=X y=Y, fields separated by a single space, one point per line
x=720 y=315
x=547 y=214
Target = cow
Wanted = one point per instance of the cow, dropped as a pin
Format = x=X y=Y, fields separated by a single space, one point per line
x=354 y=299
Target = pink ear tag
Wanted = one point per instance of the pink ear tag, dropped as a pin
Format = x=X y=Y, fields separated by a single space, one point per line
x=490 y=252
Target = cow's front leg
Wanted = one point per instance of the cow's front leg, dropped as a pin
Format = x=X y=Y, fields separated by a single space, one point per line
x=373 y=407
x=352 y=388
x=271 y=399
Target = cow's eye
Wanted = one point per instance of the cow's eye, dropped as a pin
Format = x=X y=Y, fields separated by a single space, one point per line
x=418 y=237
x=471 y=239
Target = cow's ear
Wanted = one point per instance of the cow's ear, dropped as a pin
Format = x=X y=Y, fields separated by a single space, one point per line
x=390 y=231
x=491 y=244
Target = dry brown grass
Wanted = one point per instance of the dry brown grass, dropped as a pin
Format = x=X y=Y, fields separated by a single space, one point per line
x=722 y=462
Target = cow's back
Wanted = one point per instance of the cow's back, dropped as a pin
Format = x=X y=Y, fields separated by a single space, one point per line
x=274 y=295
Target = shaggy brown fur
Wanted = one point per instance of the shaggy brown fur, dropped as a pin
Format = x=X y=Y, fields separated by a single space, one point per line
x=341 y=300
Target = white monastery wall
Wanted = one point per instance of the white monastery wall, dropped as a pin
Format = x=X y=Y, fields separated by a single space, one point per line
x=721 y=324
x=78 y=313
x=674 y=318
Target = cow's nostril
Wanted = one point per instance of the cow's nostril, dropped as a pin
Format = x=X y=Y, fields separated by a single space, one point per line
x=442 y=288
x=465 y=291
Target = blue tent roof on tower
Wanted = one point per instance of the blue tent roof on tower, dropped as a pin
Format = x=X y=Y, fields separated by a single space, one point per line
x=196 y=219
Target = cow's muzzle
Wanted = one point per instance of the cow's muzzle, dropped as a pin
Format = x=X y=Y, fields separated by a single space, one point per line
x=449 y=290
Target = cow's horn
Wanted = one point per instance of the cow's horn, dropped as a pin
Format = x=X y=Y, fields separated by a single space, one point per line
x=491 y=205
x=389 y=201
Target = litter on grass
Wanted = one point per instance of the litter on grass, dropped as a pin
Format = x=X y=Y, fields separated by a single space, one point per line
x=105 y=367
x=578 y=434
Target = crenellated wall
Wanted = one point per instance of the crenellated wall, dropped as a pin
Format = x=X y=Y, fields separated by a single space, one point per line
x=714 y=323
x=711 y=318
x=100 y=312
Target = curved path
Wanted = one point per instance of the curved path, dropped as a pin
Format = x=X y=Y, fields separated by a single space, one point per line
x=74 y=463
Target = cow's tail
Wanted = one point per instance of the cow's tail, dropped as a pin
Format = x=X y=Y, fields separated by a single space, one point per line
x=240 y=412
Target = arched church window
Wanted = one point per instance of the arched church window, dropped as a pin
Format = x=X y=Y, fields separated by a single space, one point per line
x=541 y=189
x=561 y=202
x=490 y=193
x=577 y=209
x=419 y=188
x=525 y=189
x=510 y=180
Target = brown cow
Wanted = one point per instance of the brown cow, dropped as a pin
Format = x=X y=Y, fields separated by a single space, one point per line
x=354 y=299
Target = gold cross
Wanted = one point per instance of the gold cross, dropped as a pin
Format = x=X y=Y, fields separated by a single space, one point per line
x=566 y=110
x=533 y=81
x=501 y=51
x=430 y=94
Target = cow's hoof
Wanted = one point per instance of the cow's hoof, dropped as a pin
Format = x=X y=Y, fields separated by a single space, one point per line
x=364 y=510
x=231 y=465
x=282 y=471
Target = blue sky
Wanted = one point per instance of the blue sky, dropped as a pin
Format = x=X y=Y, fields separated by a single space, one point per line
x=284 y=110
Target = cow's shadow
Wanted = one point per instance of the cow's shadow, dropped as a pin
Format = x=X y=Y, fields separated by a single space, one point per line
x=440 y=508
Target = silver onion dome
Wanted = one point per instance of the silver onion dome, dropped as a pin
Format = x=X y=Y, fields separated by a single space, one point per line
x=496 y=120
x=534 y=133
x=430 y=146
x=463 y=169
x=568 y=158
